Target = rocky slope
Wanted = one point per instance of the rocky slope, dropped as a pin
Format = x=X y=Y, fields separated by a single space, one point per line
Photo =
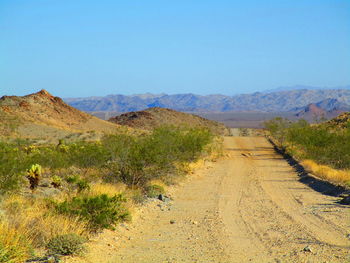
x=340 y=122
x=156 y=117
x=269 y=102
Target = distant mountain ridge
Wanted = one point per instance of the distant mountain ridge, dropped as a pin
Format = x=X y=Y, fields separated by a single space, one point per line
x=267 y=102
x=301 y=87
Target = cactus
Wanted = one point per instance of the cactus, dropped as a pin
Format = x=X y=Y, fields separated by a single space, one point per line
x=56 y=181
x=61 y=146
x=31 y=149
x=33 y=175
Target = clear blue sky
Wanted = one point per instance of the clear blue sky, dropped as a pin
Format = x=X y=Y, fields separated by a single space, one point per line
x=82 y=48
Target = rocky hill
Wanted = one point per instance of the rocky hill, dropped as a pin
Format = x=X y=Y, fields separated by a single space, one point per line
x=156 y=117
x=41 y=114
x=268 y=102
x=340 y=122
x=328 y=108
x=311 y=111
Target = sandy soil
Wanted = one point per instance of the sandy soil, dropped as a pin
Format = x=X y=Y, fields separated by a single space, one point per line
x=248 y=207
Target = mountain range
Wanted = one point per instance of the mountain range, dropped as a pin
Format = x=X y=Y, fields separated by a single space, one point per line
x=279 y=101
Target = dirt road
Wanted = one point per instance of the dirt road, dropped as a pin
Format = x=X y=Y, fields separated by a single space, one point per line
x=249 y=207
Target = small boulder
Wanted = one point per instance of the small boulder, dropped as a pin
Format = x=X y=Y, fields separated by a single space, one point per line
x=307 y=249
x=163 y=198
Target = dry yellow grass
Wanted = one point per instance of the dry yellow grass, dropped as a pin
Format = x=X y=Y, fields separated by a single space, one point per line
x=108 y=189
x=33 y=219
x=326 y=172
x=14 y=246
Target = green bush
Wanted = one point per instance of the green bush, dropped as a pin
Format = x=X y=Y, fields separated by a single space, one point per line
x=82 y=185
x=68 y=244
x=100 y=211
x=154 y=190
x=135 y=161
x=72 y=179
x=316 y=142
x=130 y=159
x=11 y=166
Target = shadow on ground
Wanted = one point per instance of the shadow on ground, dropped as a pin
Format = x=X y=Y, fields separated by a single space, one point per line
x=316 y=184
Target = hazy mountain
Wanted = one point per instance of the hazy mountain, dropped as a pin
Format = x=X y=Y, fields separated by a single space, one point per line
x=333 y=105
x=301 y=87
x=269 y=102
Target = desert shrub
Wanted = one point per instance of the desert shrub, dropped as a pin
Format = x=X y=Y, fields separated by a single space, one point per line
x=14 y=247
x=135 y=161
x=137 y=195
x=72 y=179
x=82 y=185
x=316 y=142
x=11 y=166
x=68 y=244
x=87 y=154
x=100 y=211
x=154 y=190
x=277 y=127
x=243 y=131
x=130 y=159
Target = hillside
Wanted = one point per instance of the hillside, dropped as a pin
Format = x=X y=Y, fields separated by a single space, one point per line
x=43 y=115
x=268 y=102
x=155 y=117
x=328 y=108
x=311 y=111
x=340 y=122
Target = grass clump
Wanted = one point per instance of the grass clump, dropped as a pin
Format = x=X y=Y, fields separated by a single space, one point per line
x=34 y=219
x=154 y=190
x=326 y=172
x=68 y=244
x=100 y=211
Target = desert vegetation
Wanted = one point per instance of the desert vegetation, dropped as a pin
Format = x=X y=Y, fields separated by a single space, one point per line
x=323 y=149
x=54 y=197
